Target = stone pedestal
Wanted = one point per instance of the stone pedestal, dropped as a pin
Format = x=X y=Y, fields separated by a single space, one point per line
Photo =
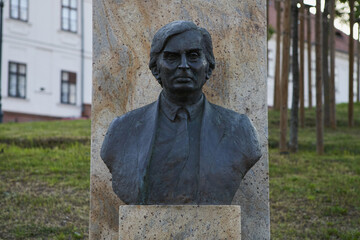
x=183 y=222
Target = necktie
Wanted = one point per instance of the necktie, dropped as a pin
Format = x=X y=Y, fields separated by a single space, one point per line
x=181 y=147
x=177 y=157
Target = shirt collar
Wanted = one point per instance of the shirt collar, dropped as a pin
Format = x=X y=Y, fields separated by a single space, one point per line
x=170 y=109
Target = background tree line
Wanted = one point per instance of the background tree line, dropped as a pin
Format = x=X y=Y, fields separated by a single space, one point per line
x=291 y=17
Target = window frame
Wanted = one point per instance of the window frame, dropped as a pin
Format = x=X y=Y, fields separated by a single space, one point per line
x=19 y=11
x=17 y=74
x=69 y=9
x=62 y=81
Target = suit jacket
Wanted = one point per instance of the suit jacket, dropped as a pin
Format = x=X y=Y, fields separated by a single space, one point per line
x=229 y=147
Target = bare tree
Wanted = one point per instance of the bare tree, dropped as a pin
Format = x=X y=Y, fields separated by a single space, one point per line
x=351 y=66
x=294 y=119
x=325 y=63
x=319 y=119
x=268 y=33
x=309 y=45
x=277 y=63
x=332 y=101
x=358 y=64
x=284 y=78
x=302 y=66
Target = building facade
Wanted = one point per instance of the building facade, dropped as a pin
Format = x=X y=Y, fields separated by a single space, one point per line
x=46 y=70
x=341 y=64
x=46 y=59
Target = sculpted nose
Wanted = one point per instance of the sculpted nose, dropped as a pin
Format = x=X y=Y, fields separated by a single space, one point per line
x=183 y=63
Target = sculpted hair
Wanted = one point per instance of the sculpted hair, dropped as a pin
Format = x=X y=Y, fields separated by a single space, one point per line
x=174 y=28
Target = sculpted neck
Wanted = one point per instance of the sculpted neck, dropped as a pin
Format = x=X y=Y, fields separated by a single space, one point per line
x=183 y=99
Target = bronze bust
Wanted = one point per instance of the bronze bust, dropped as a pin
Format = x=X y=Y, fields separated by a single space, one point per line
x=180 y=149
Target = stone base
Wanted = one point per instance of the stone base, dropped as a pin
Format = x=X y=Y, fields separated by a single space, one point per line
x=179 y=222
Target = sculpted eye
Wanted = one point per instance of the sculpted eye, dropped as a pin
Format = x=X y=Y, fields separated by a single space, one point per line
x=193 y=55
x=170 y=56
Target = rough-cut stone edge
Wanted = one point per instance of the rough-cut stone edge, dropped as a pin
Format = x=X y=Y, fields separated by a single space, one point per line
x=180 y=222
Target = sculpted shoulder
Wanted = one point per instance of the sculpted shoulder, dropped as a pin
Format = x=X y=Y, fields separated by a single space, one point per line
x=245 y=135
x=120 y=131
x=231 y=116
x=130 y=118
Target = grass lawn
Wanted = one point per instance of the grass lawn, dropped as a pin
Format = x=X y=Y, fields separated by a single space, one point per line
x=44 y=181
x=312 y=196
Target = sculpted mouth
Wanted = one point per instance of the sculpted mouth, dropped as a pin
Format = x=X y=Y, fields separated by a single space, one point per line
x=183 y=79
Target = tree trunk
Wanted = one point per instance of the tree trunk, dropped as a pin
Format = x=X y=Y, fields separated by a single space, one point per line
x=358 y=66
x=277 y=63
x=293 y=143
x=332 y=66
x=267 y=32
x=309 y=57
x=325 y=63
x=351 y=66
x=284 y=78
x=302 y=66
x=319 y=119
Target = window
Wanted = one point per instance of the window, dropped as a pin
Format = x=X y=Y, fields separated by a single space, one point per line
x=17 y=80
x=69 y=15
x=68 y=87
x=338 y=34
x=19 y=10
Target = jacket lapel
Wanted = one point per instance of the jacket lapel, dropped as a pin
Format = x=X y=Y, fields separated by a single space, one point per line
x=212 y=132
x=145 y=132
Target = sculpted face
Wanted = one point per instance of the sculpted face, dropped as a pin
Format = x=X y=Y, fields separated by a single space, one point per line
x=182 y=65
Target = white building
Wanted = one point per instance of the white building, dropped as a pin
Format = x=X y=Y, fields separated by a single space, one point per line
x=46 y=59
x=341 y=65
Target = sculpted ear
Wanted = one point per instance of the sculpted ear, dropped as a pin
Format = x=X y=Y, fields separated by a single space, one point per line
x=156 y=73
x=208 y=73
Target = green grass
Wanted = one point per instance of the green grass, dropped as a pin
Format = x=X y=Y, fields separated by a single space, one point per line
x=45 y=134
x=312 y=196
x=55 y=166
x=78 y=129
x=44 y=181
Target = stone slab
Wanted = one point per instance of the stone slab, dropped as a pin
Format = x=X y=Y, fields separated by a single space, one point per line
x=183 y=222
x=122 y=34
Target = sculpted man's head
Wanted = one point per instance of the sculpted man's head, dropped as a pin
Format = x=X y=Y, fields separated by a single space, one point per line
x=181 y=58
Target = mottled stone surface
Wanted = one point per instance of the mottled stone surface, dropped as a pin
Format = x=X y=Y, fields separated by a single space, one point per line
x=123 y=31
x=180 y=222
